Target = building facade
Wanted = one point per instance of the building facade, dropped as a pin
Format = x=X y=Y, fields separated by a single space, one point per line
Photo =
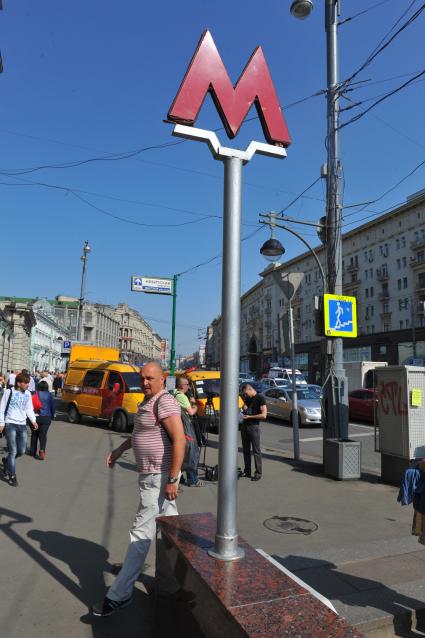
x=18 y=321
x=383 y=267
x=6 y=336
x=99 y=325
x=138 y=342
x=47 y=339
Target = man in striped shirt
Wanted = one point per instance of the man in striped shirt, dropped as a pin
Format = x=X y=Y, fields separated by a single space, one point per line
x=158 y=445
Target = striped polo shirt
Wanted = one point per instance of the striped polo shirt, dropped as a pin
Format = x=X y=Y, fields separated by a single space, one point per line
x=150 y=441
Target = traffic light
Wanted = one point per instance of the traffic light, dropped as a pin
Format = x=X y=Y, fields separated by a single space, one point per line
x=319 y=323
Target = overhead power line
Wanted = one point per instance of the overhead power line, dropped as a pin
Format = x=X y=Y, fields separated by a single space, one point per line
x=357 y=117
x=384 y=43
x=360 y=13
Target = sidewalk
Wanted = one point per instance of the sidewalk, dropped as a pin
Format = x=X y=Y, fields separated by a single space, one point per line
x=349 y=540
x=67 y=522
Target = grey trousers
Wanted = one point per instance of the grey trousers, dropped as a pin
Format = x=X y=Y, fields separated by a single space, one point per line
x=251 y=438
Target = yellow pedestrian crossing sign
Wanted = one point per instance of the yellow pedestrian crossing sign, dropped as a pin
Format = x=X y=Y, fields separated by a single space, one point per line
x=340 y=314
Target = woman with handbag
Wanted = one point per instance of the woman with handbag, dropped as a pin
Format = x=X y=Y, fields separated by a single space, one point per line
x=45 y=409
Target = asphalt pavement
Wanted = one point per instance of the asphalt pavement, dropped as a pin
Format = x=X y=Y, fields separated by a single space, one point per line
x=67 y=523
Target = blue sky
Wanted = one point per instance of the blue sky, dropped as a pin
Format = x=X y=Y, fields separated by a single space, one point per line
x=86 y=79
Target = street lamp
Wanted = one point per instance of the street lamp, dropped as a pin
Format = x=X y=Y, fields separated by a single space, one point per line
x=301 y=9
x=272 y=249
x=86 y=251
x=335 y=392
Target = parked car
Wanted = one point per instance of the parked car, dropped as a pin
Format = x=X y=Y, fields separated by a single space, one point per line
x=361 y=404
x=245 y=377
x=276 y=383
x=279 y=405
x=317 y=389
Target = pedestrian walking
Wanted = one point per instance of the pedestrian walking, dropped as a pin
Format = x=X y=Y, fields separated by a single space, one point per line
x=253 y=411
x=11 y=379
x=57 y=383
x=45 y=376
x=190 y=408
x=15 y=409
x=158 y=444
x=44 y=419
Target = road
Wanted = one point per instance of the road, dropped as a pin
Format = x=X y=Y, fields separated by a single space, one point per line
x=277 y=435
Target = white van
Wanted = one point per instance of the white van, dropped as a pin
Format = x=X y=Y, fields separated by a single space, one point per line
x=286 y=373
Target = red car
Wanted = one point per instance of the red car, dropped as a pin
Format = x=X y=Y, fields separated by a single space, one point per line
x=362 y=403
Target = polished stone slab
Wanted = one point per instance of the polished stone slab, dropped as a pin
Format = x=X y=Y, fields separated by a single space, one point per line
x=250 y=597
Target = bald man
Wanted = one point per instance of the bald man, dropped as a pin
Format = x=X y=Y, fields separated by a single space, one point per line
x=158 y=443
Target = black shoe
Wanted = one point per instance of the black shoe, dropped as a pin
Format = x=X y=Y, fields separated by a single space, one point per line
x=246 y=474
x=256 y=477
x=108 y=607
x=13 y=481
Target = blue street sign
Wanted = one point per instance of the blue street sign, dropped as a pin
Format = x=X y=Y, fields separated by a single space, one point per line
x=66 y=345
x=340 y=316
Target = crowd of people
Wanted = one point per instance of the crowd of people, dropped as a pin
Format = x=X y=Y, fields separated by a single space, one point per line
x=26 y=399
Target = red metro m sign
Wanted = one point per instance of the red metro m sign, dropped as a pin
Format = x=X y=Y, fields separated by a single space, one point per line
x=207 y=74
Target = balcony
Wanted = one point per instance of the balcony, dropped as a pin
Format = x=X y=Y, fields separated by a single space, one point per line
x=417 y=261
x=352 y=267
x=350 y=285
x=386 y=316
x=384 y=296
x=418 y=243
x=420 y=287
x=382 y=274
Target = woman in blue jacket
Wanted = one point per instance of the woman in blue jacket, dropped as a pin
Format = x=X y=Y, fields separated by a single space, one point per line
x=44 y=419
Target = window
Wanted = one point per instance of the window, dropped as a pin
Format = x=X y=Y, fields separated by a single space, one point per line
x=366 y=273
x=386 y=327
x=371 y=291
x=367 y=292
x=398 y=264
x=421 y=279
x=404 y=262
x=89 y=317
x=365 y=255
x=399 y=284
x=115 y=377
x=404 y=282
x=403 y=242
x=372 y=311
x=373 y=328
x=397 y=244
x=386 y=307
x=401 y=324
x=400 y=304
x=93 y=379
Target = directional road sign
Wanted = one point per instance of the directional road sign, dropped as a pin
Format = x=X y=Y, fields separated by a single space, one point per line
x=155 y=285
x=340 y=316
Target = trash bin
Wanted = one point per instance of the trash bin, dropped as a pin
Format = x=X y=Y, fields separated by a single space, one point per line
x=343 y=459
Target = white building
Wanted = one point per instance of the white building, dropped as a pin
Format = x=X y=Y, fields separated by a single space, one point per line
x=383 y=267
x=47 y=338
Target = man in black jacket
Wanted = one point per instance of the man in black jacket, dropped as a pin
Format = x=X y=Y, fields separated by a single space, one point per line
x=254 y=411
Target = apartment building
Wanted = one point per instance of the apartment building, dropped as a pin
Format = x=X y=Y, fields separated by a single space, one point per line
x=99 y=325
x=383 y=267
x=138 y=342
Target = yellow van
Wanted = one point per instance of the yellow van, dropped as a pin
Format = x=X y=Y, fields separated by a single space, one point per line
x=102 y=389
x=205 y=387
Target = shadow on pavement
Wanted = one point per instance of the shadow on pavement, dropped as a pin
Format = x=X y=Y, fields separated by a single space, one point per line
x=88 y=561
x=355 y=591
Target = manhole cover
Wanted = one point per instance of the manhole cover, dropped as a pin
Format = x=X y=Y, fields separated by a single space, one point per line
x=290 y=525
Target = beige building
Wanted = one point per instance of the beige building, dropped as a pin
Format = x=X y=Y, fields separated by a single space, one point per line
x=17 y=319
x=383 y=267
x=138 y=342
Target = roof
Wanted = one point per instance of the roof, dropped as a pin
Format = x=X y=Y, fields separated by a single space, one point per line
x=98 y=364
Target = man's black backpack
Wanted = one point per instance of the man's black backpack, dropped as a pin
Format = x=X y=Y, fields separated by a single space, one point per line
x=191 y=455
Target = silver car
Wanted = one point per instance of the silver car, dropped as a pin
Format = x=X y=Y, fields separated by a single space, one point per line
x=279 y=405
x=282 y=384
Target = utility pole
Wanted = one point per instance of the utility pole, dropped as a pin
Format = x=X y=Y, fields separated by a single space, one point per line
x=173 y=329
x=86 y=250
x=335 y=391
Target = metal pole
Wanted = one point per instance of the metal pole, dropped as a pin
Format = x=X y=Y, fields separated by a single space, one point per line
x=173 y=329
x=83 y=285
x=336 y=425
x=226 y=539
x=294 y=414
